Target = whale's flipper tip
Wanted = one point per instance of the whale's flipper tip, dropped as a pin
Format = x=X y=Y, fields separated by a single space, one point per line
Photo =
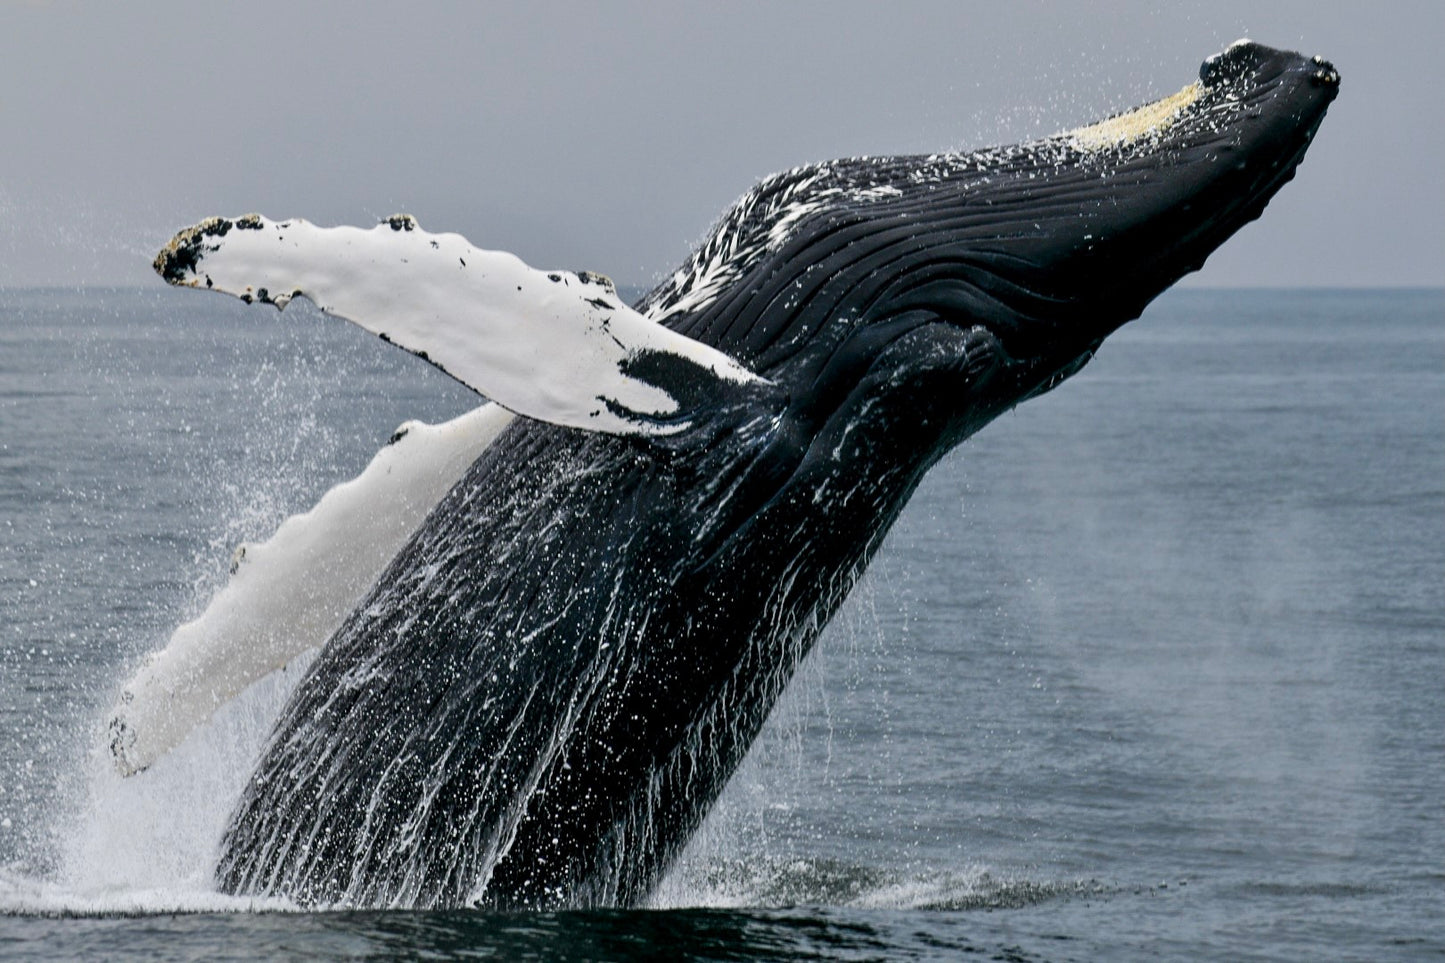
x=178 y=262
x=127 y=755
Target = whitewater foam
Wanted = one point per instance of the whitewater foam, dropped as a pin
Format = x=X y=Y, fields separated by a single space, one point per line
x=148 y=843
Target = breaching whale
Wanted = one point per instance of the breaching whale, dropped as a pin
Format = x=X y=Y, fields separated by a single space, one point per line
x=571 y=611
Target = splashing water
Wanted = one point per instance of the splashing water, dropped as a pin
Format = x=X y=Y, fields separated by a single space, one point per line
x=148 y=843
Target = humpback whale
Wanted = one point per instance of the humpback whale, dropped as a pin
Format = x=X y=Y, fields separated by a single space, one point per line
x=571 y=611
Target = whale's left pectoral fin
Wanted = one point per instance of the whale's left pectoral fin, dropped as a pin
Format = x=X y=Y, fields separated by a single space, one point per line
x=558 y=346
x=287 y=595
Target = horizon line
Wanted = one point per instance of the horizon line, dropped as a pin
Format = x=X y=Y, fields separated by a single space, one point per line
x=644 y=287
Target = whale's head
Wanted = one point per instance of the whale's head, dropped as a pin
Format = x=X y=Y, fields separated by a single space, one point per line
x=994 y=274
x=1125 y=207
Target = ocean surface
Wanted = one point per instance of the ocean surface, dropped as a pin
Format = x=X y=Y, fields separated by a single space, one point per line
x=1152 y=667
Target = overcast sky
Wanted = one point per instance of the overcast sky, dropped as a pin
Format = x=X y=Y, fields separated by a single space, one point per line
x=609 y=136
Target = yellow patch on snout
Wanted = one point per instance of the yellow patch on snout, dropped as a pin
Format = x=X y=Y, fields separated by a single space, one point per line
x=1138 y=123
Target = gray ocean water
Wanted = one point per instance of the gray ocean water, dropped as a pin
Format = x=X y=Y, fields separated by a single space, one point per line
x=1153 y=667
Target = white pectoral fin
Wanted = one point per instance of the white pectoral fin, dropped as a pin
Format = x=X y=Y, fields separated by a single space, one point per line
x=289 y=594
x=557 y=346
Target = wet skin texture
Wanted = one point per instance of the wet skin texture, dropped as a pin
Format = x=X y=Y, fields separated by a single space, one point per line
x=549 y=687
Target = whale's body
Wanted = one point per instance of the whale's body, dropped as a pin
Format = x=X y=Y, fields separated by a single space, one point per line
x=547 y=688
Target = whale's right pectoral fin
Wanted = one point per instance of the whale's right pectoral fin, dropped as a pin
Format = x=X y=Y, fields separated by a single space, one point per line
x=558 y=346
x=290 y=593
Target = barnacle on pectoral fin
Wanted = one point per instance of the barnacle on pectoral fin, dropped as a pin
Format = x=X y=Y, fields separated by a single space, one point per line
x=1126 y=128
x=178 y=260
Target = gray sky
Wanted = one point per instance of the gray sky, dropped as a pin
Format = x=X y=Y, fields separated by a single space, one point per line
x=609 y=139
